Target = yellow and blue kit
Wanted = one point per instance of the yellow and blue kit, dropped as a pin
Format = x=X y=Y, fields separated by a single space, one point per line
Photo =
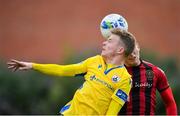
x=103 y=83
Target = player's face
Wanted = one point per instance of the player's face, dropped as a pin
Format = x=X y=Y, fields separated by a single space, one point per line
x=133 y=58
x=112 y=46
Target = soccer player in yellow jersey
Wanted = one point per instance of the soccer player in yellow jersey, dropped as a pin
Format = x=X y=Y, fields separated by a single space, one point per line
x=107 y=82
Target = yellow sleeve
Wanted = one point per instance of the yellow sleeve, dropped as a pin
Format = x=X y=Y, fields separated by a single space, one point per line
x=61 y=70
x=121 y=94
x=114 y=108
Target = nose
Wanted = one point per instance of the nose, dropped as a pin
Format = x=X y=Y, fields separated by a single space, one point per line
x=133 y=55
x=104 y=43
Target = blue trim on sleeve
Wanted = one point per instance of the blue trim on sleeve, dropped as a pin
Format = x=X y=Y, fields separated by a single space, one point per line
x=81 y=87
x=65 y=108
x=122 y=95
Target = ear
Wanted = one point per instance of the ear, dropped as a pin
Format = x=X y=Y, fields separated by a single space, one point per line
x=120 y=50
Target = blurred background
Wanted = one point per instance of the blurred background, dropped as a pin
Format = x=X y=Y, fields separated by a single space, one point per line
x=67 y=31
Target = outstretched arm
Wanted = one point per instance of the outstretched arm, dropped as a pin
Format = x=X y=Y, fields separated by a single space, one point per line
x=51 y=69
x=60 y=70
x=168 y=99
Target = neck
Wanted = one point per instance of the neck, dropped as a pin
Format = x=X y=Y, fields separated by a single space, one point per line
x=117 y=60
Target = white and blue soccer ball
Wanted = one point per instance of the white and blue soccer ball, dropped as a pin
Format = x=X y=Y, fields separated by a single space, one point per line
x=112 y=21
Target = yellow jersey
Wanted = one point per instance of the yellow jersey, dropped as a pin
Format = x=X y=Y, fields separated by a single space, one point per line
x=103 y=82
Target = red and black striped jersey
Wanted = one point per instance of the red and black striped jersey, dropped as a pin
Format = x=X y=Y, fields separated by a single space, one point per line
x=147 y=78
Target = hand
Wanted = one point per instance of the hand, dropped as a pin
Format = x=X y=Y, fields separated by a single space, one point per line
x=19 y=65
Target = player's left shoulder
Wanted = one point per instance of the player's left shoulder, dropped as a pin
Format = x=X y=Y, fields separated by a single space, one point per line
x=122 y=81
x=119 y=80
x=125 y=75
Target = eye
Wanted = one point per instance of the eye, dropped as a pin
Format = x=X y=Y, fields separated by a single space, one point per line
x=109 y=39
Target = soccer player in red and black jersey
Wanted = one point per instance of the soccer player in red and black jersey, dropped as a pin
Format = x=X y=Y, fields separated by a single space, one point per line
x=147 y=78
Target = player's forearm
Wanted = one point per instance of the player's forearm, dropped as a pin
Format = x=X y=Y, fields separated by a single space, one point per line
x=170 y=104
x=55 y=70
x=114 y=108
x=171 y=109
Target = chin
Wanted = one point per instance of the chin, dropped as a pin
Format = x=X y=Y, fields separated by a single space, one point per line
x=130 y=63
x=102 y=54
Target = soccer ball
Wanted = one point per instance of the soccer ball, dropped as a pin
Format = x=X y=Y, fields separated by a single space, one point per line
x=110 y=22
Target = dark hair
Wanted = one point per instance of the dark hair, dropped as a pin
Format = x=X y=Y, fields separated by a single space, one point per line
x=127 y=38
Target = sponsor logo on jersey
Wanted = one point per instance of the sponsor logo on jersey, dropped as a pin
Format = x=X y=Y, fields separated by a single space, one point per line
x=143 y=84
x=122 y=95
x=94 y=78
x=149 y=75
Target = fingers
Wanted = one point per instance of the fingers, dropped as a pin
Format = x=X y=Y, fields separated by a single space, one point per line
x=11 y=66
x=11 y=63
x=14 y=65
x=15 y=68
x=15 y=61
